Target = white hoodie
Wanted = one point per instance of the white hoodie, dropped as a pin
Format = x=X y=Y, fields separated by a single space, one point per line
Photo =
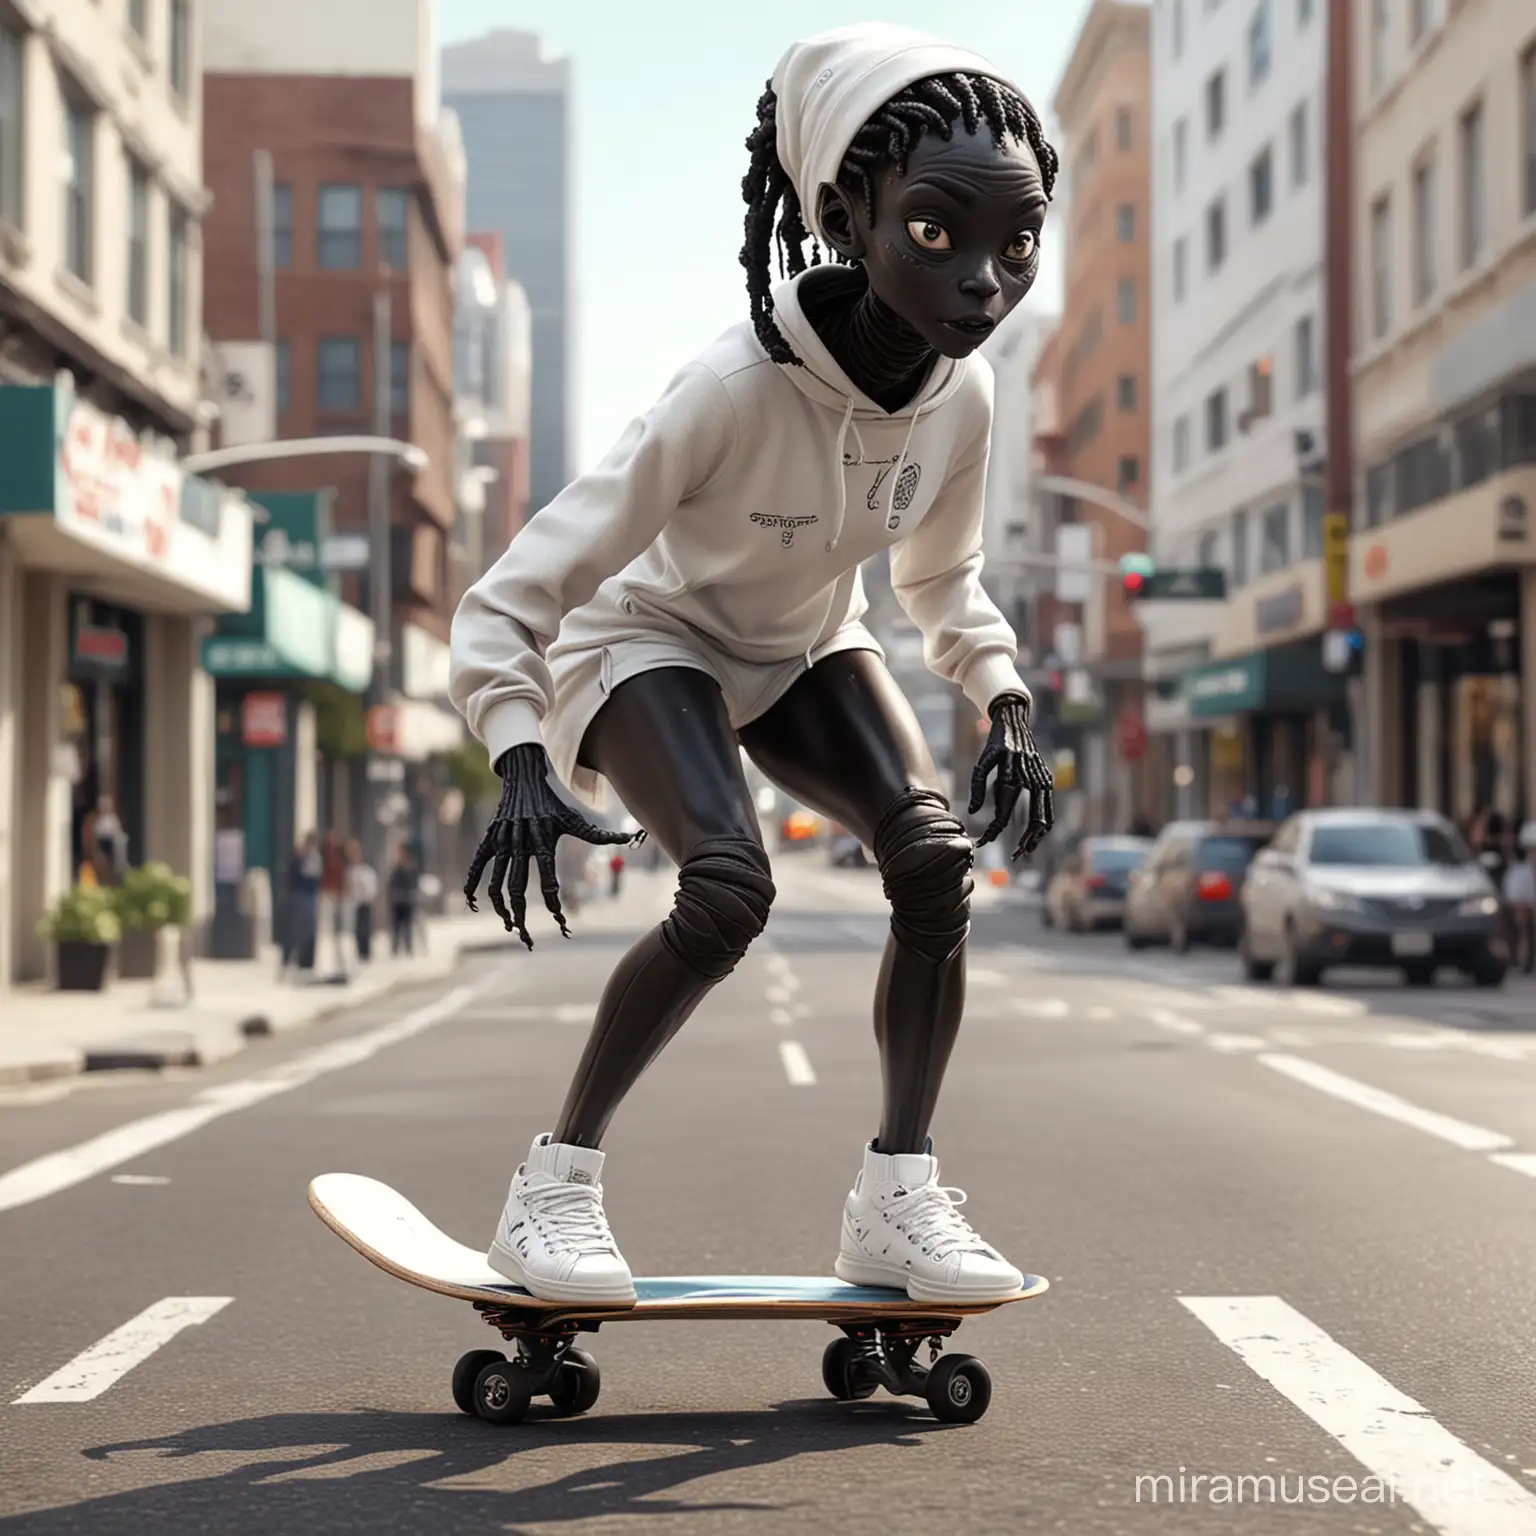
x=742 y=504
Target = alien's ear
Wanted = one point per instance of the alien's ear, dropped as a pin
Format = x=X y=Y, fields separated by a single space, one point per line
x=842 y=221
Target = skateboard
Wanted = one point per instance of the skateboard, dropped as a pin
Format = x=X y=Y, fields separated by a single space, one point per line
x=881 y=1331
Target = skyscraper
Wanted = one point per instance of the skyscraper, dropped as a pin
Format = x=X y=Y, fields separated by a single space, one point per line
x=513 y=104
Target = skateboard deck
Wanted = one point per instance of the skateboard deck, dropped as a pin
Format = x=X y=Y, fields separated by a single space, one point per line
x=383 y=1226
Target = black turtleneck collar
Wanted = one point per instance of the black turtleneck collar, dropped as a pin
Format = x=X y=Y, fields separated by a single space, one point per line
x=872 y=344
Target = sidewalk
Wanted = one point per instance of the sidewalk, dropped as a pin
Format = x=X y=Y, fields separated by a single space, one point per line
x=46 y=1034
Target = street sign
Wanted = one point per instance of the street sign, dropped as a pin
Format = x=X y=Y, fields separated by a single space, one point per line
x=244 y=386
x=1131 y=735
x=1197 y=584
x=1336 y=558
x=264 y=720
x=344 y=552
x=382 y=728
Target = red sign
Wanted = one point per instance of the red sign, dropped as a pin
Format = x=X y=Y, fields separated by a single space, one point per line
x=383 y=728
x=1341 y=616
x=1131 y=736
x=112 y=483
x=264 y=720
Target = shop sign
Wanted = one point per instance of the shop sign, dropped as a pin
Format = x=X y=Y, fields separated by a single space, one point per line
x=1283 y=610
x=1336 y=558
x=1514 y=520
x=264 y=720
x=277 y=548
x=110 y=481
x=383 y=728
x=1131 y=736
x=227 y=656
x=99 y=648
x=1225 y=687
x=425 y=664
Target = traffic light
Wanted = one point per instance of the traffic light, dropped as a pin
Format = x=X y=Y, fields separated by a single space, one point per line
x=1135 y=573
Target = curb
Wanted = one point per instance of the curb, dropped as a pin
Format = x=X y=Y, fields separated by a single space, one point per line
x=66 y=1061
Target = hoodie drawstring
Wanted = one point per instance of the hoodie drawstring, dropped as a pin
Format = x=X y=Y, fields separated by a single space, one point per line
x=842 y=478
x=901 y=464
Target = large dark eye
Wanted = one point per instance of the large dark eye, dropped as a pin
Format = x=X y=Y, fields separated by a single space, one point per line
x=1022 y=247
x=929 y=234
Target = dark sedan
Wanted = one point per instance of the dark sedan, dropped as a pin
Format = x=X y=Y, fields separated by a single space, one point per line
x=1187 y=892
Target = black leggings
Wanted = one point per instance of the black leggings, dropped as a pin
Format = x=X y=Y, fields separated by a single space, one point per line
x=843 y=741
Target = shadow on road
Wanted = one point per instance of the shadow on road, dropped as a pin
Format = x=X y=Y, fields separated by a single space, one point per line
x=368 y=1471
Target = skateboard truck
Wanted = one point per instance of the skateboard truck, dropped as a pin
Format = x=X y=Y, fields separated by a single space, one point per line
x=883 y=1354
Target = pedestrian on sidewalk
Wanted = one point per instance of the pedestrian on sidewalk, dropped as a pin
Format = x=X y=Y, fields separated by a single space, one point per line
x=616 y=873
x=695 y=601
x=1520 y=897
x=305 y=869
x=362 y=899
x=333 y=890
x=404 y=885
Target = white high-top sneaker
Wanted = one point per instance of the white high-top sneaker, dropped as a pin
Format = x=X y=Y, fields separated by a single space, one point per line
x=553 y=1238
x=901 y=1229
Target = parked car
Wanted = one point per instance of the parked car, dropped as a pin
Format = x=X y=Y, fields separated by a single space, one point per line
x=1380 y=888
x=1187 y=891
x=1088 y=890
x=845 y=851
x=1048 y=860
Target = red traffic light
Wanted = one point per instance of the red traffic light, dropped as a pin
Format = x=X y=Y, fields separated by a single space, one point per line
x=1133 y=582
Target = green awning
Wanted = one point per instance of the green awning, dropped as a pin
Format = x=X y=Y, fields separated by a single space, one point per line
x=294 y=629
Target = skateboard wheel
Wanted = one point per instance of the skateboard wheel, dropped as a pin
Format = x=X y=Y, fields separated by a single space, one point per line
x=502 y=1393
x=840 y=1370
x=576 y=1383
x=958 y=1389
x=467 y=1372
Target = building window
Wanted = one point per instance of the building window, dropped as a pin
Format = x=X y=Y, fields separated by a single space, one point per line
x=1216 y=235
x=1303 y=12
x=1180 y=152
x=393 y=209
x=282 y=225
x=399 y=378
x=1125 y=392
x=1306 y=357
x=1275 y=539
x=180 y=48
x=1129 y=473
x=138 y=243
x=1125 y=223
x=1216 y=420
x=1260 y=389
x=283 y=367
x=1260 y=187
x=1181 y=444
x=1180 y=269
x=11 y=159
x=1527 y=123
x=138 y=17
x=176 y=279
x=341 y=228
x=1259 y=33
x=1205 y=554
x=1299 y=146
x=79 y=187
x=1178 y=28
x=1125 y=301
x=1122 y=128
x=1215 y=104
x=1423 y=231
x=1474 y=213
x=1311 y=520
x=1239 y=549
x=1381 y=267
x=338 y=373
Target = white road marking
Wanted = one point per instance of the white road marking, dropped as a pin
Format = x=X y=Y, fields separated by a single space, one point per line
x=1456 y=1491
x=1470 y=1138
x=980 y=977
x=1174 y=1023
x=777 y=964
x=89 y=1374
x=561 y=1013
x=802 y=1010
x=139 y=1178
x=1317 y=1002
x=1042 y=1007
x=1099 y=1011
x=62 y=1170
x=781 y=1016
x=797 y=1065
x=1232 y=1045
x=1517 y=1162
x=780 y=995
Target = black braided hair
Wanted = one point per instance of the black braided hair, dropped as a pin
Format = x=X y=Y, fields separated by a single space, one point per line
x=889 y=137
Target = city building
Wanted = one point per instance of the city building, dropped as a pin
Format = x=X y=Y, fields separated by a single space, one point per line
x=366 y=227
x=111 y=554
x=1443 y=552
x=514 y=105
x=1238 y=309
x=1102 y=105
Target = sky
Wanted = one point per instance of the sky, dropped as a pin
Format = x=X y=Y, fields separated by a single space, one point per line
x=665 y=93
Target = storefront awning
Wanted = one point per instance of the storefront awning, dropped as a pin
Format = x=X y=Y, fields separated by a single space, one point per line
x=1285 y=679
x=294 y=629
x=84 y=496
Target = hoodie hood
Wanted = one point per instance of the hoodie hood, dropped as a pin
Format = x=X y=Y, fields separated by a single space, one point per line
x=828 y=86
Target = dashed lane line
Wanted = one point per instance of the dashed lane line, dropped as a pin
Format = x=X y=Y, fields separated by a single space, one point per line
x=58 y=1171
x=106 y=1362
x=1394 y=1437
x=1516 y=1162
x=797 y=1065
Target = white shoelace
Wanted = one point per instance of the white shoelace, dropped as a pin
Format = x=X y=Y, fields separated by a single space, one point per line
x=930 y=1218
x=569 y=1218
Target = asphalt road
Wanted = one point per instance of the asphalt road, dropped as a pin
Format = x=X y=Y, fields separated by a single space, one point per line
x=1290 y=1239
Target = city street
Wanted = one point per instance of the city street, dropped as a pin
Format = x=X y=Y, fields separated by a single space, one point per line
x=1288 y=1238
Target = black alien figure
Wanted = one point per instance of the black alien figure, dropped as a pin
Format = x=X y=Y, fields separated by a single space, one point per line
x=699 y=593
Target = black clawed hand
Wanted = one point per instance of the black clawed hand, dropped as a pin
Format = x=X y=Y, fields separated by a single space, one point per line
x=529 y=821
x=1011 y=753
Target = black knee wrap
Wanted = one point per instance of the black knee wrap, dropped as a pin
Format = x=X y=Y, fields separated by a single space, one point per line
x=925 y=862
x=723 y=896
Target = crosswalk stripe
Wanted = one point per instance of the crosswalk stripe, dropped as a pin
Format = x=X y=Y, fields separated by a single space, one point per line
x=1470 y=1138
x=1417 y=1459
x=1516 y=1162
x=1174 y=1023
x=797 y=1065
x=90 y=1373
x=1042 y=1007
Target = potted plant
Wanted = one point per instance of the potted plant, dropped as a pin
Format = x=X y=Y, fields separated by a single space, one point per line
x=151 y=899
x=82 y=927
